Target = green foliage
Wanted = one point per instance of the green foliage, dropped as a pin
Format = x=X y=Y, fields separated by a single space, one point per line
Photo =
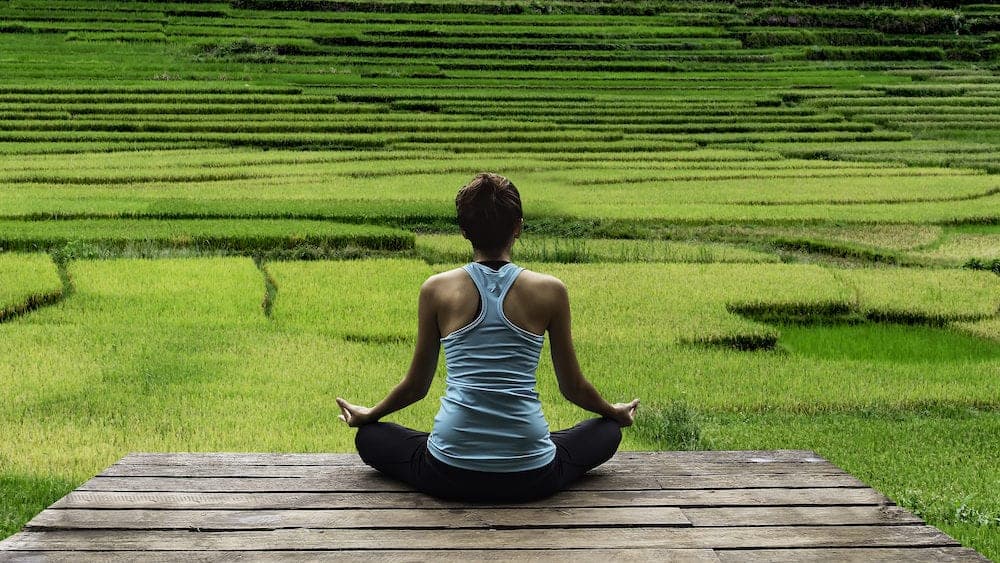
x=74 y=239
x=23 y=494
x=984 y=328
x=27 y=281
x=702 y=303
x=454 y=249
x=568 y=195
x=887 y=343
x=632 y=8
x=365 y=298
x=674 y=426
x=110 y=367
x=888 y=21
x=931 y=296
x=241 y=50
x=974 y=251
x=977 y=264
x=875 y=53
x=765 y=38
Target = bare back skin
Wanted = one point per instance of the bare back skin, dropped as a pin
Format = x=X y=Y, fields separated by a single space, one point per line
x=529 y=303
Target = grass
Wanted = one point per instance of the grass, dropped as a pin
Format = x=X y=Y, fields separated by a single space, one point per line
x=27 y=281
x=889 y=237
x=94 y=237
x=108 y=369
x=883 y=342
x=682 y=186
x=452 y=249
x=325 y=297
x=694 y=301
x=959 y=248
x=985 y=328
x=674 y=426
x=935 y=296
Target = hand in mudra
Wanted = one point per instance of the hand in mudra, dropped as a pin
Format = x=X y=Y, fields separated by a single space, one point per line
x=625 y=412
x=353 y=415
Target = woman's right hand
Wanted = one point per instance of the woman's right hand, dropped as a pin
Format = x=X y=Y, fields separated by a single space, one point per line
x=353 y=415
x=624 y=413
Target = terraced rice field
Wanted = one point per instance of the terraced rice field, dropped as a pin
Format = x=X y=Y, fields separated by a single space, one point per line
x=779 y=223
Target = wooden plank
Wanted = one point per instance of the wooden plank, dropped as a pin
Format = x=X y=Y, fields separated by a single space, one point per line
x=372 y=481
x=468 y=518
x=208 y=469
x=751 y=506
x=605 y=538
x=381 y=556
x=208 y=520
x=777 y=480
x=238 y=458
x=767 y=505
x=687 y=457
x=677 y=497
x=799 y=515
x=855 y=555
x=668 y=467
x=725 y=456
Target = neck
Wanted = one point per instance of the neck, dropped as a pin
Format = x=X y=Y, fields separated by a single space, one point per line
x=480 y=256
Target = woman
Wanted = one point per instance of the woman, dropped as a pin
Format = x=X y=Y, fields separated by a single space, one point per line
x=490 y=441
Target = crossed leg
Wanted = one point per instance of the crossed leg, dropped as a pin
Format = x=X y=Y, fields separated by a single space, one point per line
x=401 y=453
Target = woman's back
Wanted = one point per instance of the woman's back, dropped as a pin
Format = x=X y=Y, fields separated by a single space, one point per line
x=490 y=417
x=529 y=304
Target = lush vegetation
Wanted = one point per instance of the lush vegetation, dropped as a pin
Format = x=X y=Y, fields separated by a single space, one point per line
x=82 y=238
x=27 y=281
x=779 y=223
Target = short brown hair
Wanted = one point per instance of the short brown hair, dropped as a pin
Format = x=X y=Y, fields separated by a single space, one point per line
x=489 y=210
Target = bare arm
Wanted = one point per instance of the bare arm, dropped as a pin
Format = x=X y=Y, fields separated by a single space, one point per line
x=572 y=384
x=418 y=378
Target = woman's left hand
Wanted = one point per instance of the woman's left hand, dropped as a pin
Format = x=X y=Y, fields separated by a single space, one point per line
x=354 y=415
x=625 y=413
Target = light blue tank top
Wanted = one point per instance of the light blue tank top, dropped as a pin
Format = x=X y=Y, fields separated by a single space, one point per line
x=490 y=417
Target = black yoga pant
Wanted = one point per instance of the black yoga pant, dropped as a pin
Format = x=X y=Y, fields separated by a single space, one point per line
x=401 y=453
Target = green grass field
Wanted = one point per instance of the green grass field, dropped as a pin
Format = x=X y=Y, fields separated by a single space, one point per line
x=779 y=224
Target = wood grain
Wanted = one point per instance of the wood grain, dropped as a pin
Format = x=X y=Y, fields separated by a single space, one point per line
x=371 y=481
x=798 y=515
x=607 y=538
x=640 y=506
x=721 y=497
x=208 y=520
x=325 y=471
x=917 y=554
x=381 y=556
x=683 y=457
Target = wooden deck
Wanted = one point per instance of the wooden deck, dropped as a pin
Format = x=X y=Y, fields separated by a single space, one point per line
x=684 y=506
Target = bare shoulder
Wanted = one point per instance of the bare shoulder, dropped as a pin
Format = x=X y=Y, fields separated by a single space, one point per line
x=543 y=284
x=541 y=299
x=445 y=277
x=445 y=282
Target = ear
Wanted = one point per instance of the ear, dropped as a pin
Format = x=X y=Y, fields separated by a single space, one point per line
x=518 y=228
x=464 y=234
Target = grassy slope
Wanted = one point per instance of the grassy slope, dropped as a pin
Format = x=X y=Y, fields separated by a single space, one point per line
x=95 y=391
x=26 y=281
